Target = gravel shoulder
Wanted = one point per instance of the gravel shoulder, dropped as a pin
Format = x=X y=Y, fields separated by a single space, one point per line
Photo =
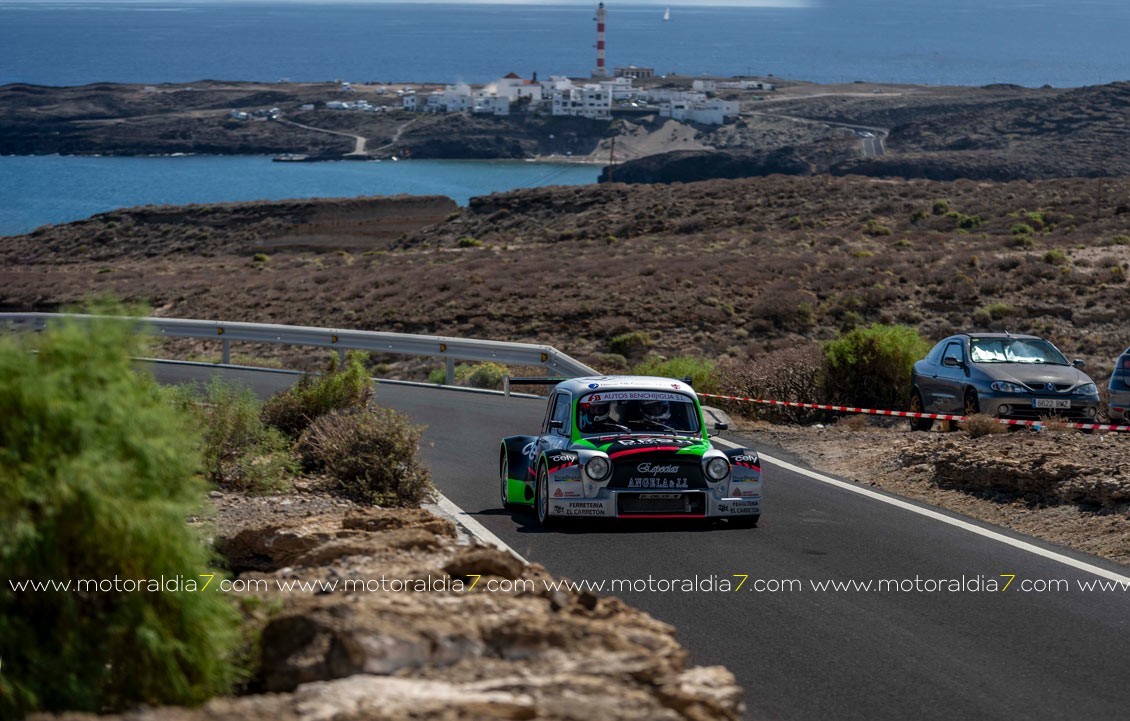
x=1066 y=487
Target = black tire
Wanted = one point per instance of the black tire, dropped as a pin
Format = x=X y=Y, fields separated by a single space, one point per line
x=916 y=406
x=541 y=498
x=745 y=521
x=972 y=403
x=503 y=473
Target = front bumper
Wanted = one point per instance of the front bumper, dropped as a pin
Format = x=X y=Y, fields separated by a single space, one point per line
x=618 y=503
x=1034 y=406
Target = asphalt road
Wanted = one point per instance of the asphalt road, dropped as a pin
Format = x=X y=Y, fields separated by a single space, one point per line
x=800 y=652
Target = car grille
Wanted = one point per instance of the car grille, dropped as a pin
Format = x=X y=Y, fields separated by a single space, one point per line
x=1051 y=387
x=657 y=472
x=691 y=504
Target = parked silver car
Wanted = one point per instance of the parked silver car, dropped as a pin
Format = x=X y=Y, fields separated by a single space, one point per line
x=1004 y=375
x=1119 y=408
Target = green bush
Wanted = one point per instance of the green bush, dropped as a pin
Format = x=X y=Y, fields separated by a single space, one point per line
x=373 y=454
x=340 y=387
x=630 y=345
x=97 y=477
x=702 y=371
x=239 y=451
x=480 y=375
x=870 y=366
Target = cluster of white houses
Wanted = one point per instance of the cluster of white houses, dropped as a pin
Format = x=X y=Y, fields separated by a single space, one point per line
x=560 y=96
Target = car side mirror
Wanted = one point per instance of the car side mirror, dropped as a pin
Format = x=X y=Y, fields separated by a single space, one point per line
x=952 y=362
x=1078 y=363
x=718 y=428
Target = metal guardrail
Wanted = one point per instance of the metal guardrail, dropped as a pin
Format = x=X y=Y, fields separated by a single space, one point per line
x=451 y=349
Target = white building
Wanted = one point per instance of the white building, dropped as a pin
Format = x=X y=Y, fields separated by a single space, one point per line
x=491 y=105
x=514 y=87
x=590 y=101
x=712 y=111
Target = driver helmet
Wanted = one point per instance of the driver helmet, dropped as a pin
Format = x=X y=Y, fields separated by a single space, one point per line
x=598 y=412
x=656 y=410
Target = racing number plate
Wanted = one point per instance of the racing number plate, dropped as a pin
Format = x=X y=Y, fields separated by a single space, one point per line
x=1051 y=403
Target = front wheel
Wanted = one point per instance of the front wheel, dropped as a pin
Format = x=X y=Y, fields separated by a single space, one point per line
x=541 y=497
x=745 y=521
x=972 y=403
x=916 y=406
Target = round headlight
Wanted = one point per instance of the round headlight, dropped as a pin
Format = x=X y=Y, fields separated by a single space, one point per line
x=598 y=468
x=717 y=468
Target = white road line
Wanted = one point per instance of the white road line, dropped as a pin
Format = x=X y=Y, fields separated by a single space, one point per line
x=964 y=525
x=475 y=528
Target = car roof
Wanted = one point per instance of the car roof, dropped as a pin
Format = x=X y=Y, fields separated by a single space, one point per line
x=997 y=334
x=577 y=386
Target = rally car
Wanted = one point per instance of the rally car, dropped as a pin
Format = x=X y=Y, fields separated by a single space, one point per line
x=627 y=447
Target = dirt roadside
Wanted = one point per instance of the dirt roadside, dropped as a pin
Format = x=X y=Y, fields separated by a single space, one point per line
x=1066 y=487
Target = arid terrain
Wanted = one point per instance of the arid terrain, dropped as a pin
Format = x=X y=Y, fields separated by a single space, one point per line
x=743 y=272
x=387 y=626
x=997 y=132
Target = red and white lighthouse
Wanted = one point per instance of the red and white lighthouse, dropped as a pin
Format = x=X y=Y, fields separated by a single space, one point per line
x=601 y=71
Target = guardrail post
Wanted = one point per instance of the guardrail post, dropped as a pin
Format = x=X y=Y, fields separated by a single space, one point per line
x=341 y=357
x=225 y=354
x=506 y=386
x=450 y=379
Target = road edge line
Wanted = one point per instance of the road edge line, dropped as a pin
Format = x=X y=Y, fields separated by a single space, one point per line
x=935 y=515
x=472 y=526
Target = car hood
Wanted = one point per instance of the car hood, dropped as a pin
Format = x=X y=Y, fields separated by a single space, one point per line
x=1038 y=375
x=627 y=446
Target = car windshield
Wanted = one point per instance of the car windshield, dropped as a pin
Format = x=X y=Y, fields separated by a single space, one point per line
x=1014 y=350
x=636 y=412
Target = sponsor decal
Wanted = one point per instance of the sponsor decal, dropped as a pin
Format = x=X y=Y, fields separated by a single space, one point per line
x=676 y=483
x=530 y=450
x=594 y=385
x=737 y=507
x=578 y=508
x=657 y=468
x=558 y=493
x=638 y=396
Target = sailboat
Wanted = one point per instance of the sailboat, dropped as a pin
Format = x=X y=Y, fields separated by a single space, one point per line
x=666 y=14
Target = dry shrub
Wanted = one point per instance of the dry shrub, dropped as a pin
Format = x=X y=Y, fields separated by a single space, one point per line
x=855 y=422
x=982 y=424
x=373 y=454
x=790 y=374
x=341 y=386
x=1056 y=424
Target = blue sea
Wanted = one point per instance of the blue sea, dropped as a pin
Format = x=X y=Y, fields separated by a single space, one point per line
x=1063 y=43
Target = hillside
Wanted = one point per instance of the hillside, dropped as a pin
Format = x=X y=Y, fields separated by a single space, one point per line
x=726 y=269
x=998 y=132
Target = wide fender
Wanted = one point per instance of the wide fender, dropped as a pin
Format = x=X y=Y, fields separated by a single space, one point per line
x=562 y=465
x=521 y=457
x=745 y=465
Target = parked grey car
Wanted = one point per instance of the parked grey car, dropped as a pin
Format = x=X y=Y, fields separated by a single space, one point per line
x=1003 y=375
x=1119 y=409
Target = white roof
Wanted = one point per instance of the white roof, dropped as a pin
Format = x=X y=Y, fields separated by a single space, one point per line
x=577 y=386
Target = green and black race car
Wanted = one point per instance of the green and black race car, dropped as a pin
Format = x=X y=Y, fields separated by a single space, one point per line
x=628 y=447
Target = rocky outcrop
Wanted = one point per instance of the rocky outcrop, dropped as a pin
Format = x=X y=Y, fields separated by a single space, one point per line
x=400 y=617
x=687 y=166
x=1050 y=468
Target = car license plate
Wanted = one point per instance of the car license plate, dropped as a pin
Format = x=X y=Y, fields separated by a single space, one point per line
x=1051 y=403
x=660 y=496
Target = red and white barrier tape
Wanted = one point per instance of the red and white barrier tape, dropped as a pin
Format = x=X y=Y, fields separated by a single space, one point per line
x=910 y=414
